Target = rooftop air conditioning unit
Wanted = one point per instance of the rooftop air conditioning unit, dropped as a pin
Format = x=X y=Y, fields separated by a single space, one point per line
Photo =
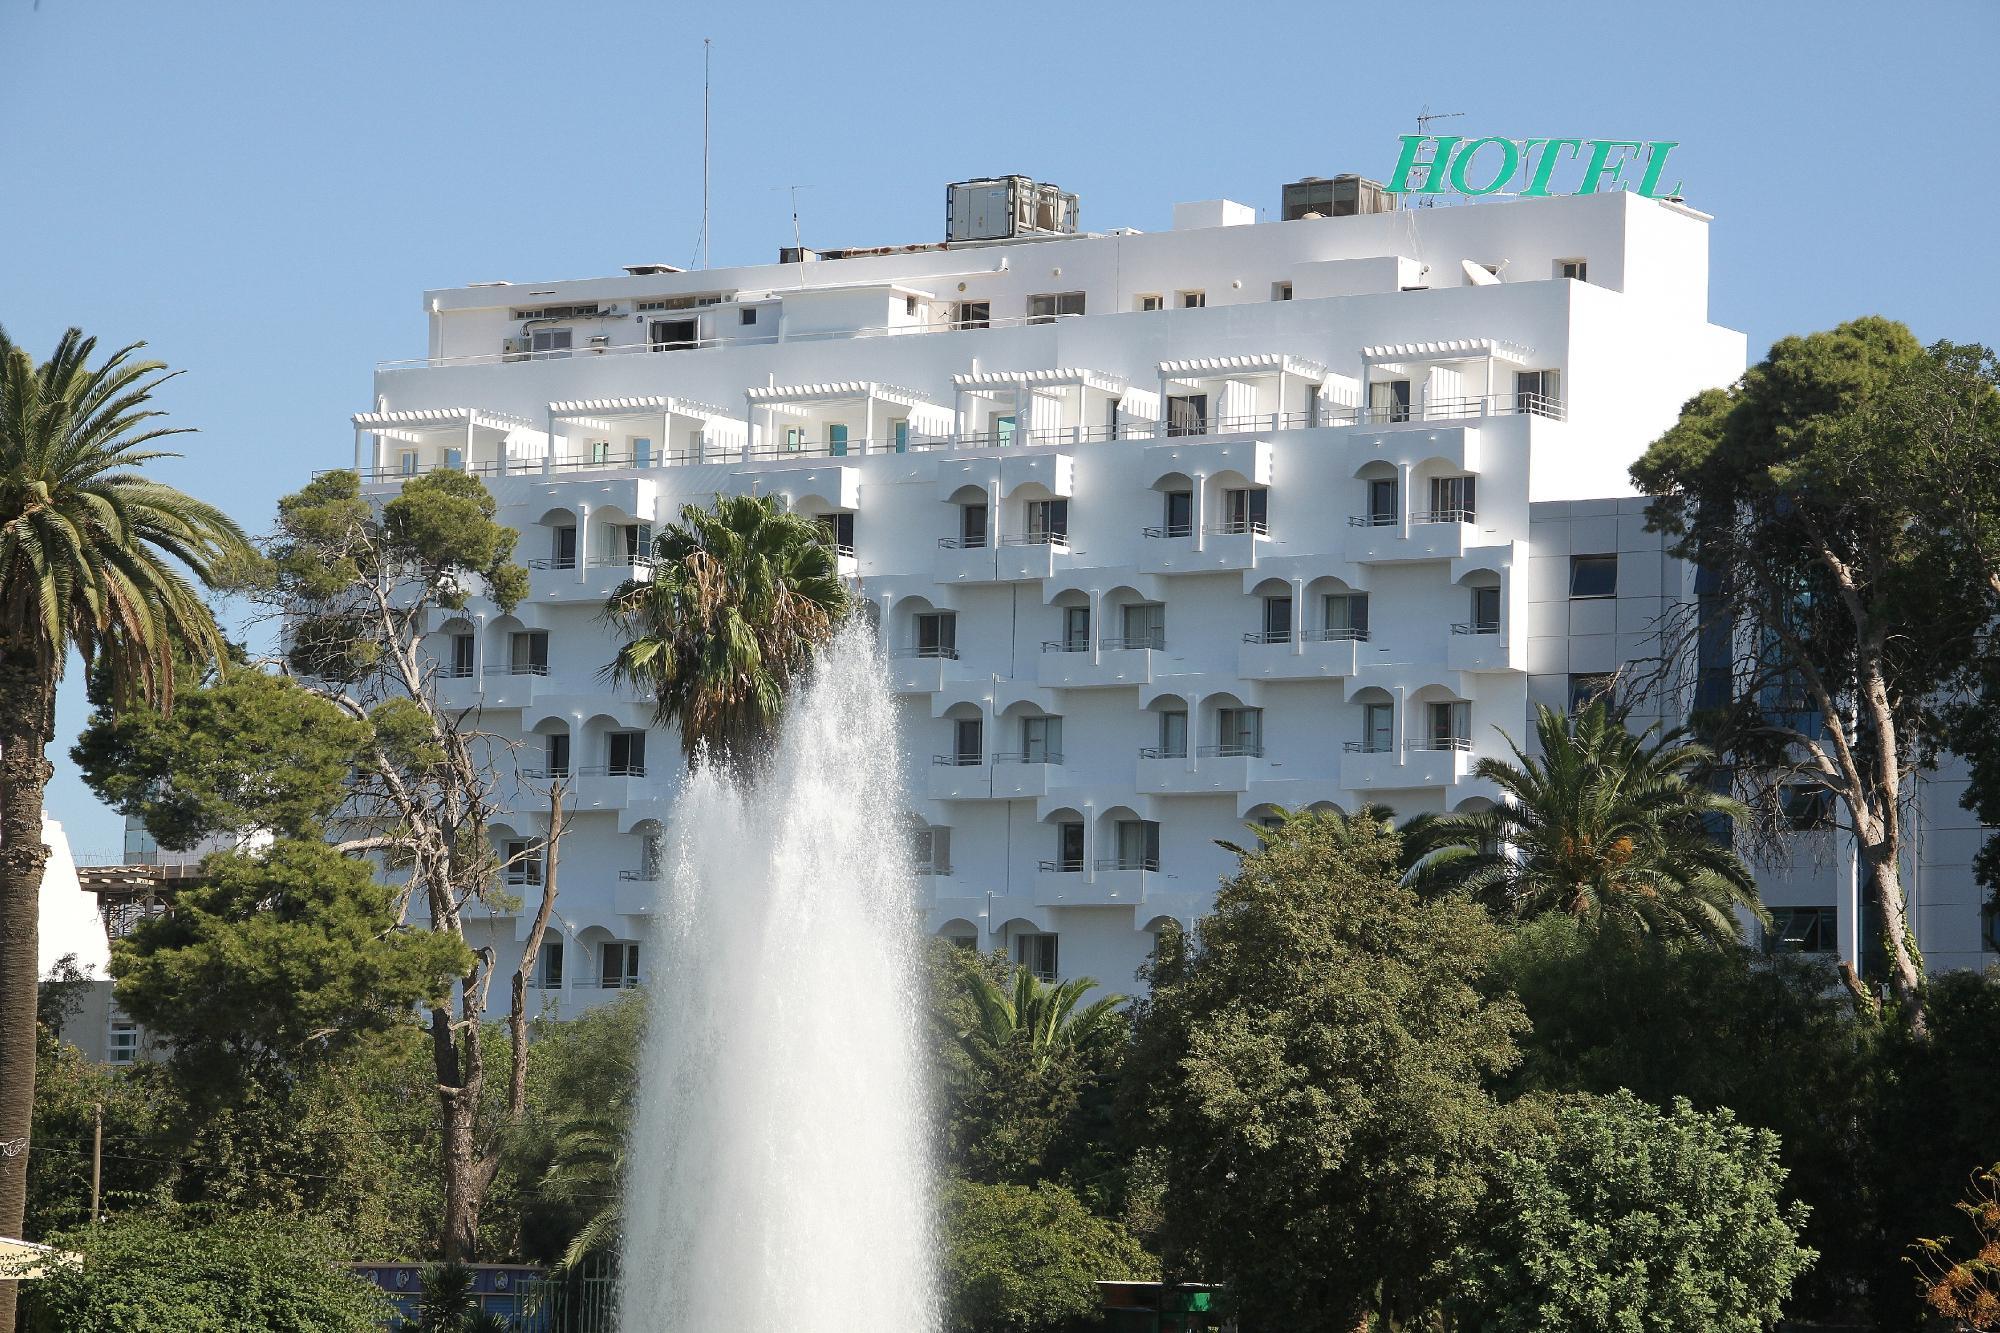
x=1343 y=196
x=513 y=349
x=995 y=208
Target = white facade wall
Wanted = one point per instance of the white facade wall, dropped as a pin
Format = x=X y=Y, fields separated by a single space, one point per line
x=861 y=350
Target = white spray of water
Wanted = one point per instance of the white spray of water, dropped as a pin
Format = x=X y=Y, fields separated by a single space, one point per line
x=779 y=1175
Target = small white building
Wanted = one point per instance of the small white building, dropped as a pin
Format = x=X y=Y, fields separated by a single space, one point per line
x=1162 y=531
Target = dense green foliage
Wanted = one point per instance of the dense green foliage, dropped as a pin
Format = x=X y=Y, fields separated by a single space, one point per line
x=1621 y=1215
x=168 y=1275
x=1598 y=824
x=740 y=597
x=1315 y=1078
x=1020 y=1259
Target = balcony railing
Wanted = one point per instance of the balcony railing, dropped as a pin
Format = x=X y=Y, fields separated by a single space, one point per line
x=928 y=867
x=553 y=562
x=644 y=876
x=1269 y=636
x=1065 y=645
x=454 y=671
x=1129 y=863
x=627 y=770
x=1236 y=527
x=1028 y=757
x=628 y=560
x=1232 y=750
x=1369 y=747
x=1169 y=530
x=962 y=543
x=957 y=760
x=1060 y=540
x=1373 y=520
x=1163 y=752
x=1462 y=744
x=1062 y=866
x=1443 y=516
x=945 y=651
x=519 y=669
x=1336 y=635
x=1477 y=627
x=1154 y=639
x=544 y=774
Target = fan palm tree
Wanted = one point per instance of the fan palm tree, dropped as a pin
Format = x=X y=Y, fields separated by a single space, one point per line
x=94 y=559
x=1047 y=1018
x=740 y=597
x=1606 y=826
x=589 y=1167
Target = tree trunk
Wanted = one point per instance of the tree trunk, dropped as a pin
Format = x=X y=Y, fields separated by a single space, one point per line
x=25 y=699
x=466 y=1173
x=1882 y=880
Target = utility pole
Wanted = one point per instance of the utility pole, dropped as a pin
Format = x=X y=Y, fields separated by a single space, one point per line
x=96 y=1159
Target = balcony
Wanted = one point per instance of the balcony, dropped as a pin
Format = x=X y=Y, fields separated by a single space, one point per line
x=965 y=560
x=1031 y=558
x=1314 y=654
x=557 y=579
x=607 y=786
x=1419 y=763
x=920 y=670
x=1433 y=535
x=1217 y=770
x=1482 y=647
x=1019 y=776
x=512 y=685
x=1121 y=661
x=1113 y=884
x=959 y=777
x=1222 y=547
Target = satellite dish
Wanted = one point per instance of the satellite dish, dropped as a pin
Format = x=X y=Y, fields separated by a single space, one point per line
x=1477 y=275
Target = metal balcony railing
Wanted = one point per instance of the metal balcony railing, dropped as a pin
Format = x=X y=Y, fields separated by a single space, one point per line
x=1129 y=863
x=1169 y=530
x=962 y=543
x=628 y=560
x=1153 y=639
x=1369 y=747
x=452 y=671
x=644 y=876
x=1056 y=539
x=1232 y=750
x=932 y=867
x=1065 y=645
x=519 y=669
x=544 y=774
x=1062 y=866
x=1335 y=635
x=1477 y=627
x=1269 y=636
x=1373 y=520
x=1443 y=516
x=1461 y=744
x=1162 y=752
x=1028 y=757
x=930 y=650
x=627 y=770
x=957 y=760
x=553 y=562
x=1236 y=527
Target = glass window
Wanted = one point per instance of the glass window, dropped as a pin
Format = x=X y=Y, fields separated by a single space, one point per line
x=1173 y=735
x=972 y=526
x=1453 y=499
x=454 y=460
x=1382 y=505
x=1278 y=619
x=1193 y=300
x=1179 y=514
x=549 y=966
x=931 y=851
x=973 y=314
x=1048 y=520
x=1187 y=414
x=1576 y=269
x=1076 y=629
x=529 y=652
x=1538 y=391
x=1240 y=731
x=968 y=735
x=626 y=754
x=462 y=649
x=1588 y=688
x=1145 y=625
x=899 y=434
x=521 y=861
x=836 y=440
x=1281 y=291
x=1037 y=954
x=1003 y=431
x=1138 y=844
x=1049 y=306
x=1389 y=400
x=1808 y=809
x=1347 y=615
x=1152 y=301
x=407 y=462
x=123 y=1046
x=1246 y=510
x=747 y=315
x=839 y=529
x=1069 y=846
x=937 y=634
x=1593 y=576
x=1485 y=610
x=1803 y=930
x=1378 y=728
x=555 y=754
x=1451 y=725
x=562 y=547
x=620 y=965
x=1041 y=740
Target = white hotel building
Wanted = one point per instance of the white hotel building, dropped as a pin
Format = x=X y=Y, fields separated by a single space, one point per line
x=1164 y=531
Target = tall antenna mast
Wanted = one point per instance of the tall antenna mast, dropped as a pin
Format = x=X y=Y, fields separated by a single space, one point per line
x=1426 y=156
x=705 y=44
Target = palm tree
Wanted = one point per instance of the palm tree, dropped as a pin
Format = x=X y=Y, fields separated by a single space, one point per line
x=1045 y=1017
x=1606 y=826
x=589 y=1167
x=94 y=559
x=740 y=598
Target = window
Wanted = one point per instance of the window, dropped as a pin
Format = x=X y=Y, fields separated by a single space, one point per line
x=1050 y=306
x=972 y=526
x=549 y=966
x=1003 y=431
x=642 y=452
x=528 y=652
x=1076 y=629
x=123 y=1046
x=1138 y=844
x=937 y=634
x=1989 y=927
x=626 y=754
x=521 y=861
x=562 y=547
x=672 y=335
x=836 y=440
x=1378 y=728
x=1041 y=740
x=1383 y=510
x=462 y=648
x=1281 y=291
x=973 y=314
x=1048 y=521
x=1152 y=301
x=1036 y=954
x=1593 y=576
x=1453 y=499
x=1069 y=847
x=454 y=460
x=600 y=451
x=549 y=342
x=1538 y=391
x=899 y=434
x=747 y=315
x=1193 y=300
x=1239 y=731
x=1485 y=611
x=1389 y=400
x=1246 y=510
x=1187 y=414
x=839 y=530
x=1278 y=619
x=1173 y=735
x=633 y=541
x=1577 y=269
x=555 y=754
x=909 y=305
x=1589 y=688
x=795 y=439
x=407 y=462
x=968 y=742
x=1451 y=725
x=619 y=968
x=1145 y=625
x=1808 y=809
x=1346 y=615
x=1179 y=514
x=1803 y=930
x=930 y=851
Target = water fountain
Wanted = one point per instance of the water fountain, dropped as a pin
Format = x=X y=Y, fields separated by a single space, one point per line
x=779 y=1175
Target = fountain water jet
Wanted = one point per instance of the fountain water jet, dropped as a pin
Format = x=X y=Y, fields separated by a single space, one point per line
x=779 y=1170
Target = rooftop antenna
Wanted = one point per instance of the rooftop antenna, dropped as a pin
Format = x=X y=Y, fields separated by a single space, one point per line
x=1427 y=156
x=705 y=45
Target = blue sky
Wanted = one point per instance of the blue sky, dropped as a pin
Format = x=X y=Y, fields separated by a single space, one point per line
x=262 y=191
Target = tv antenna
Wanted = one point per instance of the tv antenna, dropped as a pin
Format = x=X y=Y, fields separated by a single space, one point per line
x=1427 y=156
x=701 y=246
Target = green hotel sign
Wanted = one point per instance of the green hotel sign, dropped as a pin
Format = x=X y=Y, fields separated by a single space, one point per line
x=1527 y=167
